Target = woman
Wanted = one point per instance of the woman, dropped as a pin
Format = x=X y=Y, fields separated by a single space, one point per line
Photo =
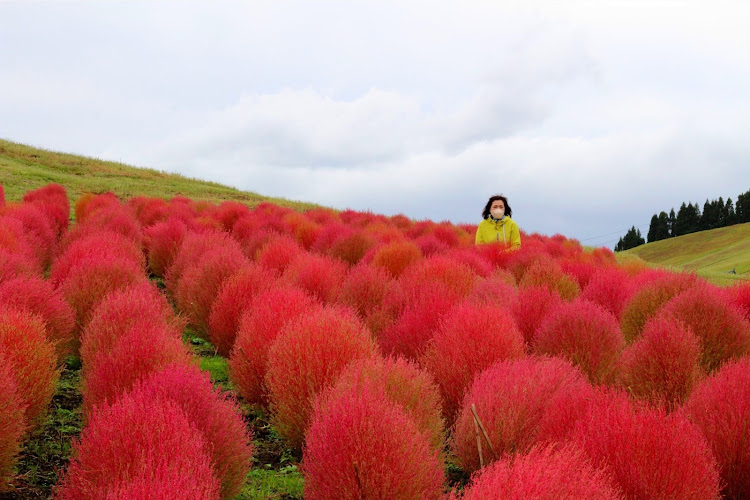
x=497 y=226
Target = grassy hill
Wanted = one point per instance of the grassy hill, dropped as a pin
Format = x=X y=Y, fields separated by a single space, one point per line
x=23 y=168
x=711 y=253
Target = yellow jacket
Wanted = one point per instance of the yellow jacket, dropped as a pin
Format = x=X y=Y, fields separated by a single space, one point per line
x=503 y=231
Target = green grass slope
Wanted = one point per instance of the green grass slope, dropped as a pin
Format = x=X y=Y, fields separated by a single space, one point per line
x=23 y=168
x=711 y=253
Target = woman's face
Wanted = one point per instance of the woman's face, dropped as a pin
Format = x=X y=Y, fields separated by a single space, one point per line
x=497 y=209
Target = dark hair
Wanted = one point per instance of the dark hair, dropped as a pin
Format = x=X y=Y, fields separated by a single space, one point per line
x=486 y=211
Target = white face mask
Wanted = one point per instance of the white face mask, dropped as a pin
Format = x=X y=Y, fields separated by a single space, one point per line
x=498 y=214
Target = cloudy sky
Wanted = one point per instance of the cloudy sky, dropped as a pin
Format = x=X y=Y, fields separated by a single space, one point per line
x=590 y=117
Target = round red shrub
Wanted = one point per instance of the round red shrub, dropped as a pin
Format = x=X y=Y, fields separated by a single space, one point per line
x=140 y=305
x=201 y=282
x=31 y=359
x=739 y=295
x=143 y=349
x=12 y=415
x=531 y=309
x=38 y=230
x=139 y=444
x=364 y=288
x=361 y=445
x=547 y=272
x=213 y=414
x=649 y=298
x=353 y=247
x=119 y=219
x=91 y=279
x=306 y=357
x=396 y=256
x=429 y=245
x=663 y=364
x=162 y=241
x=405 y=384
x=278 y=252
x=470 y=257
x=39 y=297
x=580 y=268
x=469 y=339
x=720 y=406
x=89 y=203
x=584 y=333
x=650 y=454
x=544 y=473
x=190 y=253
x=320 y=275
x=511 y=399
x=14 y=265
x=454 y=275
x=228 y=212
x=494 y=290
x=149 y=211
x=611 y=288
x=718 y=324
x=234 y=297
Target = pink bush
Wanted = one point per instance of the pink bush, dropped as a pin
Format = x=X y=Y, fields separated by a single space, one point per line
x=31 y=359
x=228 y=212
x=320 y=275
x=98 y=245
x=364 y=288
x=545 y=473
x=234 y=298
x=584 y=333
x=140 y=305
x=201 y=282
x=649 y=298
x=213 y=414
x=266 y=315
x=191 y=251
x=548 y=273
x=396 y=256
x=531 y=309
x=119 y=219
x=649 y=453
x=306 y=357
x=739 y=295
x=13 y=265
x=720 y=406
x=39 y=297
x=469 y=339
x=278 y=252
x=89 y=203
x=404 y=383
x=494 y=290
x=512 y=399
x=139 y=445
x=149 y=211
x=162 y=241
x=663 y=364
x=12 y=410
x=38 y=230
x=611 y=288
x=140 y=351
x=457 y=277
x=718 y=324
x=361 y=445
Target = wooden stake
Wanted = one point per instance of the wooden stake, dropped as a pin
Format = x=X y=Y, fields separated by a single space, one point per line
x=478 y=423
x=479 y=440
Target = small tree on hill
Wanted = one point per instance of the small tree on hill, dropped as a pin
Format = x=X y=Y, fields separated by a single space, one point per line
x=631 y=239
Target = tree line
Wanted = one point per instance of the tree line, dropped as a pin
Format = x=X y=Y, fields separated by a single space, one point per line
x=690 y=219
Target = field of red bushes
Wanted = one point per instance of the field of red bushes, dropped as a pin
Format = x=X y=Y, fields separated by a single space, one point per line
x=383 y=348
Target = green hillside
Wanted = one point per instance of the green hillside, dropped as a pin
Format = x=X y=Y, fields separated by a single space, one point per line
x=23 y=168
x=713 y=253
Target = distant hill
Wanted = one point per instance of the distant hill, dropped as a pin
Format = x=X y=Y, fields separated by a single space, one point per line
x=23 y=168
x=713 y=253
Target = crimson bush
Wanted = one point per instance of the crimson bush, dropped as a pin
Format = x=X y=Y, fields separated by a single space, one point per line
x=12 y=415
x=320 y=275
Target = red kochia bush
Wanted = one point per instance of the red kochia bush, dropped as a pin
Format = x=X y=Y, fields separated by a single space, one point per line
x=118 y=218
x=719 y=325
x=352 y=247
x=494 y=290
x=649 y=298
x=259 y=325
x=234 y=297
x=90 y=280
x=396 y=256
x=162 y=241
x=545 y=473
x=457 y=277
x=201 y=282
x=213 y=414
x=469 y=339
x=306 y=357
x=31 y=358
x=149 y=211
x=533 y=306
x=584 y=333
x=739 y=295
x=38 y=230
x=364 y=288
x=361 y=445
x=12 y=410
x=16 y=264
x=547 y=272
x=512 y=399
x=649 y=453
x=191 y=251
x=141 y=304
x=39 y=297
x=89 y=203
x=278 y=252
x=139 y=444
x=405 y=384
x=320 y=275
x=720 y=406
x=100 y=245
x=611 y=288
x=2 y=196
x=139 y=352
x=663 y=364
